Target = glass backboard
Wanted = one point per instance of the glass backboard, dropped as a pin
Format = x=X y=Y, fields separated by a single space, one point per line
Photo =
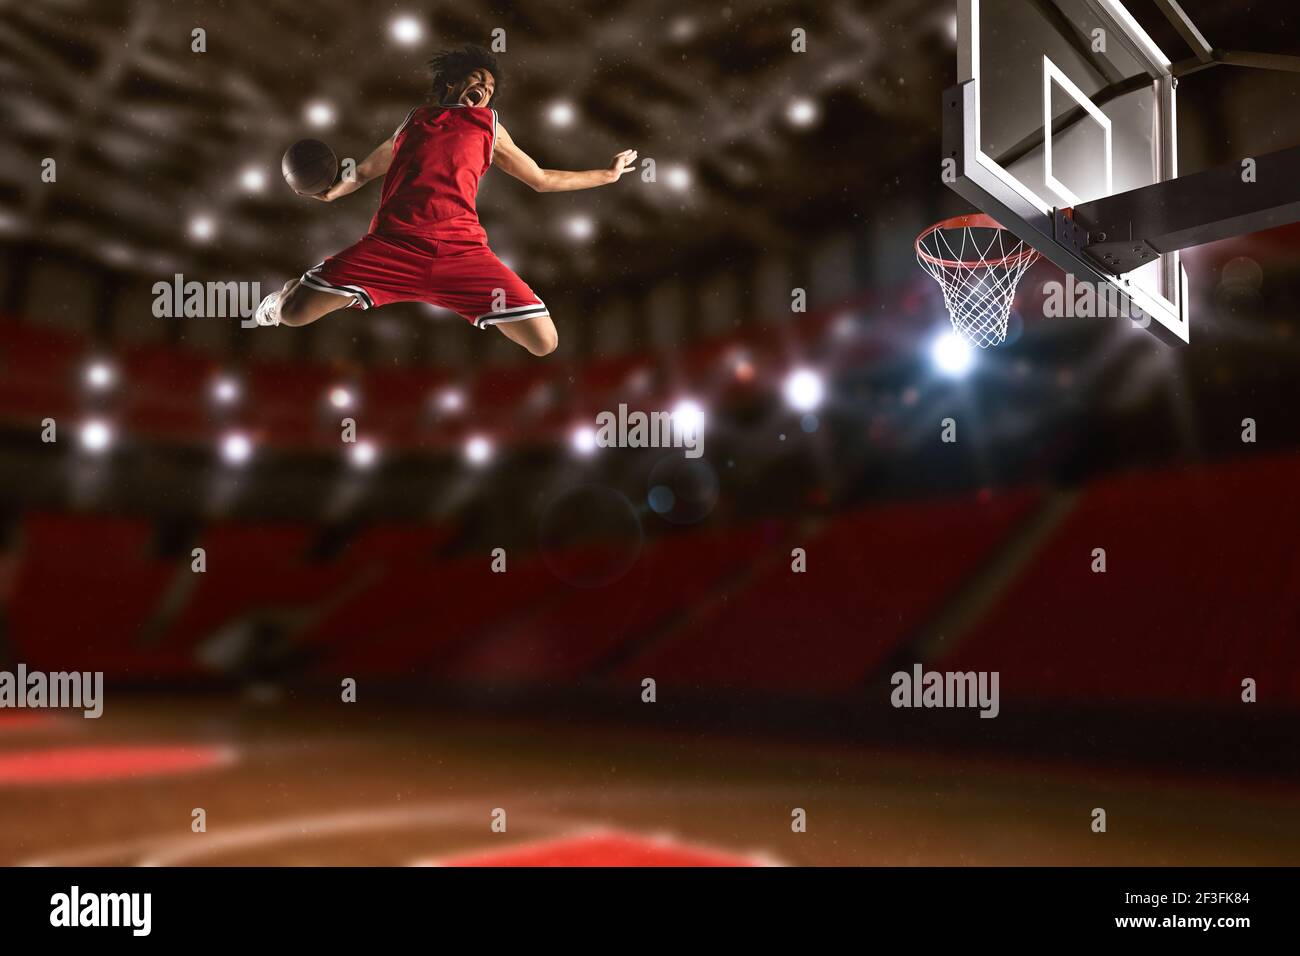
x=1070 y=101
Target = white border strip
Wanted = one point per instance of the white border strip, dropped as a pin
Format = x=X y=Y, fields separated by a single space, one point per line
x=1134 y=29
x=1053 y=72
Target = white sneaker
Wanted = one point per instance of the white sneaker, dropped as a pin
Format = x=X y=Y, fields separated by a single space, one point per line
x=268 y=311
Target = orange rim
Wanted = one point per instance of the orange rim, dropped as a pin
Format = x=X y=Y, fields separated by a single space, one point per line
x=975 y=220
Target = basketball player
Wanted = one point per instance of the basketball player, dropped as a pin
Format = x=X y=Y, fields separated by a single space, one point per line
x=425 y=242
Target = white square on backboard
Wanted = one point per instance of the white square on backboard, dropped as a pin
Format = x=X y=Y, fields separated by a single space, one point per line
x=1052 y=72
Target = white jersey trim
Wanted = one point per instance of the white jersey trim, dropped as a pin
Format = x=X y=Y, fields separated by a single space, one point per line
x=359 y=295
x=399 y=129
x=518 y=313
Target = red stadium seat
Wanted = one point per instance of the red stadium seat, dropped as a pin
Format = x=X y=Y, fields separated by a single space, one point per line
x=39 y=372
x=415 y=613
x=1200 y=591
x=873 y=578
x=253 y=568
x=565 y=635
x=85 y=590
x=288 y=407
x=167 y=392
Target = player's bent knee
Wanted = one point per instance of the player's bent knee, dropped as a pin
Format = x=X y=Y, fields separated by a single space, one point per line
x=543 y=340
x=537 y=334
x=546 y=343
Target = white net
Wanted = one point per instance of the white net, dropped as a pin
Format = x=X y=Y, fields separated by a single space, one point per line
x=978 y=265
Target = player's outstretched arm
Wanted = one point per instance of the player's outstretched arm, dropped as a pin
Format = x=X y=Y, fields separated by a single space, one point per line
x=372 y=167
x=524 y=168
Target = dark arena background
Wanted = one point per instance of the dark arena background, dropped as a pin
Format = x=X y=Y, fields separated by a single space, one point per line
x=463 y=630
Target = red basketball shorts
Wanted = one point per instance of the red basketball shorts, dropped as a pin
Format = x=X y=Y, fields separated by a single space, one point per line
x=465 y=277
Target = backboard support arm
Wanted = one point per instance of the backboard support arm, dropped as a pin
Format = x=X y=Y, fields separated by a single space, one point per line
x=1257 y=61
x=1187 y=29
x=1130 y=229
x=1206 y=55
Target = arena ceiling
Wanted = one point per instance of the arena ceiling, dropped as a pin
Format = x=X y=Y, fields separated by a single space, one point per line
x=159 y=149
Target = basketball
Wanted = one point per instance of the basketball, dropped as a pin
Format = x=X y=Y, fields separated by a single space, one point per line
x=309 y=167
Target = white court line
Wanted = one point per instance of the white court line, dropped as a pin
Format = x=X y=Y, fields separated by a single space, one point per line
x=172 y=850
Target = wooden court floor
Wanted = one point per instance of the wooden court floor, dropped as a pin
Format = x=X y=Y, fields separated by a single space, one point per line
x=288 y=784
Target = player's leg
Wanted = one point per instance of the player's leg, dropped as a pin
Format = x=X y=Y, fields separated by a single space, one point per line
x=297 y=305
x=537 y=334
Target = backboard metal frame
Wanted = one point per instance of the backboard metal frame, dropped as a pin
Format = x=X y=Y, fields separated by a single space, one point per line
x=1050 y=228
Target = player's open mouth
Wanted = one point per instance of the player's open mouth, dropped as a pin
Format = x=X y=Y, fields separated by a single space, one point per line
x=473 y=96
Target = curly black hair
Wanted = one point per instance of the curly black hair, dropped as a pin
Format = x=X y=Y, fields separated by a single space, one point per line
x=449 y=67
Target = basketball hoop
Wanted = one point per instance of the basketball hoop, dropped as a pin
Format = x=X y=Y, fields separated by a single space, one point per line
x=978 y=264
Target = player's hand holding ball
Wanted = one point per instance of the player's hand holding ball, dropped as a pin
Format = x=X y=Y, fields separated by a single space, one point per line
x=310 y=168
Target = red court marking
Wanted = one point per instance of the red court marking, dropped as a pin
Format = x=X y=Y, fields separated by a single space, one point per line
x=602 y=849
x=82 y=764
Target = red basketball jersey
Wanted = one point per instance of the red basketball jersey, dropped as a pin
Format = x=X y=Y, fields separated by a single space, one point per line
x=431 y=191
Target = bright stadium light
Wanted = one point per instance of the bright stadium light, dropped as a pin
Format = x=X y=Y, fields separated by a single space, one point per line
x=801 y=111
x=96 y=436
x=99 y=375
x=406 y=30
x=678 y=178
x=583 y=440
x=225 y=390
x=952 y=355
x=319 y=113
x=340 y=397
x=364 y=454
x=580 y=228
x=236 y=449
x=689 y=416
x=202 y=228
x=253 y=179
x=478 y=450
x=804 y=390
x=561 y=113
